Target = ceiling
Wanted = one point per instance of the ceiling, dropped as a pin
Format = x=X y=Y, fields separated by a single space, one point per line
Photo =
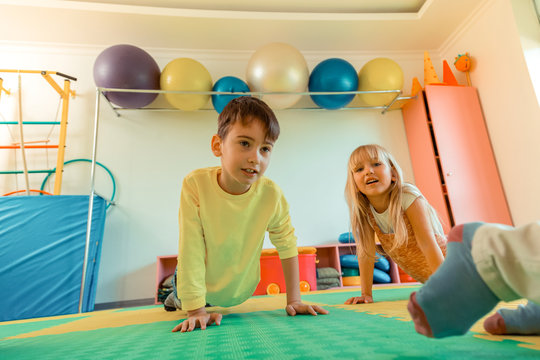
x=315 y=25
x=283 y=6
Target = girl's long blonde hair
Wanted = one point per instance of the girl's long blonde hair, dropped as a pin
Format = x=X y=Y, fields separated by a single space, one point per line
x=359 y=206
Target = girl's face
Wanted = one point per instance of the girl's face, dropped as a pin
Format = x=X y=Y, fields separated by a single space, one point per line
x=373 y=178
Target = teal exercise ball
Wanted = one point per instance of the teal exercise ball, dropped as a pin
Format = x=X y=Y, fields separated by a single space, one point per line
x=333 y=75
x=227 y=84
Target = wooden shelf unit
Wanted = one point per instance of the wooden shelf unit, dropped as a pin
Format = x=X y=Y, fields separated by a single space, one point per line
x=165 y=267
x=327 y=256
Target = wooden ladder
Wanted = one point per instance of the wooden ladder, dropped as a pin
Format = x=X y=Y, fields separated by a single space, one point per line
x=65 y=94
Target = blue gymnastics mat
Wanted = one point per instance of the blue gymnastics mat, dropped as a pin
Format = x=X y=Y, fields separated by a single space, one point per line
x=42 y=242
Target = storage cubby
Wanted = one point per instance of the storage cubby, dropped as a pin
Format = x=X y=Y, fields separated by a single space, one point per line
x=165 y=267
x=327 y=256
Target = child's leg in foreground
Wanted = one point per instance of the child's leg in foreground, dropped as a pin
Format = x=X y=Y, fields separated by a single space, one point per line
x=455 y=296
x=525 y=320
x=508 y=259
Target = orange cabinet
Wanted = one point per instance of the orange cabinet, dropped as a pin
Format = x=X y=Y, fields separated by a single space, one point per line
x=452 y=159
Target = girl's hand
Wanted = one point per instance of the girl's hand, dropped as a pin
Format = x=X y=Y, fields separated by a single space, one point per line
x=301 y=308
x=198 y=318
x=364 y=299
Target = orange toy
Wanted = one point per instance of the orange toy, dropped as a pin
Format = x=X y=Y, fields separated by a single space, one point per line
x=272 y=279
x=416 y=87
x=430 y=76
x=463 y=63
x=301 y=250
x=448 y=75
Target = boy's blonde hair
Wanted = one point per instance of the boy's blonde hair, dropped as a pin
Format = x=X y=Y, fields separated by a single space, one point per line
x=359 y=206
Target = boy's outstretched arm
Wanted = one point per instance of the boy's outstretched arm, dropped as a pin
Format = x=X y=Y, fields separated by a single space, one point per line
x=292 y=282
x=198 y=318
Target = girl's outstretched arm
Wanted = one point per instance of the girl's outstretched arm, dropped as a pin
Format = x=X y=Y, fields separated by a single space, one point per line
x=365 y=264
x=418 y=216
x=366 y=279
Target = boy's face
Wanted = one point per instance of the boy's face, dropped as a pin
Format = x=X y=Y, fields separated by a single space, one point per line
x=245 y=155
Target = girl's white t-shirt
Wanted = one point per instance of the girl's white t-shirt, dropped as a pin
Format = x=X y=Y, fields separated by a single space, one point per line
x=383 y=219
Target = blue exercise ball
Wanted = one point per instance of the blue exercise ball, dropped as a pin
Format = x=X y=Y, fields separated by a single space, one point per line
x=227 y=84
x=333 y=75
x=127 y=67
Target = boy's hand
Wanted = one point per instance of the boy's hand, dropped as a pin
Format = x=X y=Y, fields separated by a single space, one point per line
x=364 y=299
x=301 y=308
x=198 y=318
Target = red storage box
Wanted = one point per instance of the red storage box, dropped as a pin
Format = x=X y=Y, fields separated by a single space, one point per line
x=273 y=281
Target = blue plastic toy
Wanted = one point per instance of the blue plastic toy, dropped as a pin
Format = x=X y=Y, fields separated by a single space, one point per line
x=348 y=261
x=346 y=271
x=351 y=261
x=346 y=238
x=382 y=263
x=381 y=277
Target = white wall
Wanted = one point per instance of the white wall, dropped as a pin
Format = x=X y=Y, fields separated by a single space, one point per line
x=528 y=25
x=509 y=102
x=150 y=152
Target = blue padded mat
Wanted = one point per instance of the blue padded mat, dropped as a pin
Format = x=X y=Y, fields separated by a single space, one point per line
x=41 y=254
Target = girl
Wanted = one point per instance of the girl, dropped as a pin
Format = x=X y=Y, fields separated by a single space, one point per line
x=383 y=207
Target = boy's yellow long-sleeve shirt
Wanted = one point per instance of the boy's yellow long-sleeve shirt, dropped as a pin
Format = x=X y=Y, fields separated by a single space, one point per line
x=221 y=238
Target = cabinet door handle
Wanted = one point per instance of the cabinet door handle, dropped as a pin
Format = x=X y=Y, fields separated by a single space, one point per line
x=449 y=173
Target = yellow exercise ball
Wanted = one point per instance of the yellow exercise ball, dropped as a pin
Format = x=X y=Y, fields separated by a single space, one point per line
x=185 y=74
x=379 y=74
x=278 y=67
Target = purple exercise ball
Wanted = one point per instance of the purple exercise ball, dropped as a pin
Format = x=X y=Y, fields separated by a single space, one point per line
x=127 y=67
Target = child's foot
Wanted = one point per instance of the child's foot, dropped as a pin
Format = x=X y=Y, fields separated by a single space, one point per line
x=525 y=320
x=172 y=303
x=435 y=308
x=169 y=308
x=495 y=324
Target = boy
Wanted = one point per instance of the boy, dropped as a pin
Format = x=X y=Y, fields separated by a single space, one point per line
x=224 y=214
x=485 y=263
